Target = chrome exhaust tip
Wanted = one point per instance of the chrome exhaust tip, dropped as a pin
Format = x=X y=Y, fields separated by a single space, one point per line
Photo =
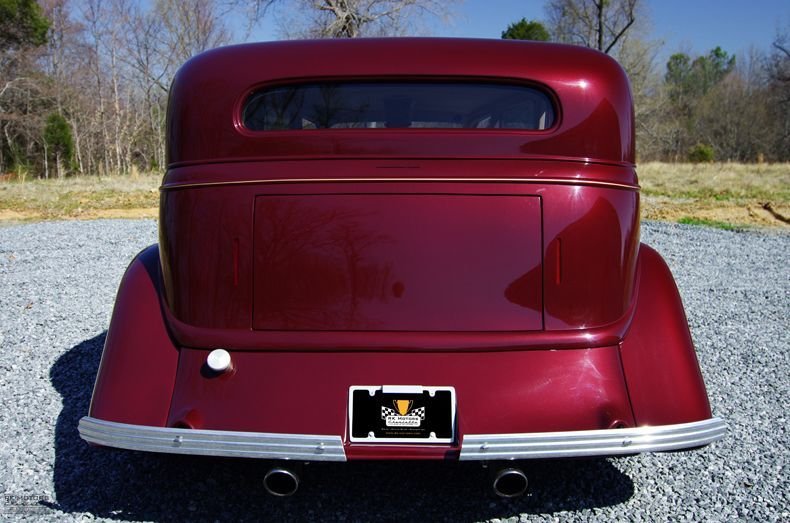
x=510 y=483
x=281 y=482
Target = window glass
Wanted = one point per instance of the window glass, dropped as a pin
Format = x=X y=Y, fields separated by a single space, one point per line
x=388 y=105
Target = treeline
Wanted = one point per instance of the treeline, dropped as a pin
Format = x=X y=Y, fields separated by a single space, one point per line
x=698 y=108
x=714 y=107
x=84 y=83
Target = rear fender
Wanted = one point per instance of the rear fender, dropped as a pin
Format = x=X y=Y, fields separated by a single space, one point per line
x=138 y=365
x=659 y=362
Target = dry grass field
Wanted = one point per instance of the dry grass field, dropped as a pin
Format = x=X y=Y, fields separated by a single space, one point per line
x=83 y=197
x=722 y=195
x=726 y=195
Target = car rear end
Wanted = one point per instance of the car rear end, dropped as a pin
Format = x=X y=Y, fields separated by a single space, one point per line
x=430 y=258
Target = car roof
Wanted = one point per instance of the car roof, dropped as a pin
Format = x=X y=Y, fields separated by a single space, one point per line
x=594 y=108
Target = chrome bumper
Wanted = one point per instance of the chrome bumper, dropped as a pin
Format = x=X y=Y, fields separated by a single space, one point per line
x=592 y=442
x=212 y=442
x=330 y=448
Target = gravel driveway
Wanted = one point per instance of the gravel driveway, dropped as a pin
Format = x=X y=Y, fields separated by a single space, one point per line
x=57 y=285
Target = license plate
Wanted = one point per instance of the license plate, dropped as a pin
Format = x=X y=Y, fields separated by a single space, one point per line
x=402 y=414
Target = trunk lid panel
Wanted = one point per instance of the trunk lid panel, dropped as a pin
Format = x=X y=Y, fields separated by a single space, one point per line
x=397 y=262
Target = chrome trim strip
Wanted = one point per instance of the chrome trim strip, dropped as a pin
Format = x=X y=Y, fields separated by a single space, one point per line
x=591 y=442
x=562 y=181
x=265 y=445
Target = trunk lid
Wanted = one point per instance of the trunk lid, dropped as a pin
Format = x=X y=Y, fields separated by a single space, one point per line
x=397 y=262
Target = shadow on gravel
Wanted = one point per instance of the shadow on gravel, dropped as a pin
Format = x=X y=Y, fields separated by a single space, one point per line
x=140 y=486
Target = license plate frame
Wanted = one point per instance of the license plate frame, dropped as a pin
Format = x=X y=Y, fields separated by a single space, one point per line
x=402 y=414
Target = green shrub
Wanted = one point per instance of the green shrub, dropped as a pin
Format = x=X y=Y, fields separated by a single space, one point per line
x=701 y=153
x=60 y=143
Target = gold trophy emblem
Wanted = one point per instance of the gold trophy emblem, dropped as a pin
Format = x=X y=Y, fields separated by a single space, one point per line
x=402 y=406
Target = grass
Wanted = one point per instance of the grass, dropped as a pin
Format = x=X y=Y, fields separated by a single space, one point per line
x=688 y=220
x=716 y=181
x=81 y=197
x=723 y=195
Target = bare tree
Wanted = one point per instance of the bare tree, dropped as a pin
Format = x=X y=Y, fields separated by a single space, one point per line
x=355 y=18
x=105 y=67
x=778 y=68
x=23 y=98
x=599 y=24
x=639 y=58
x=250 y=11
x=191 y=27
x=22 y=102
x=95 y=14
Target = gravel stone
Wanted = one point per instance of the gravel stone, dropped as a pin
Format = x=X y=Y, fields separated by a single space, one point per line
x=57 y=286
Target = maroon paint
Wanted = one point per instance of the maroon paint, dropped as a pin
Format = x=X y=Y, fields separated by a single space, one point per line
x=497 y=392
x=595 y=120
x=598 y=226
x=138 y=365
x=389 y=262
x=659 y=361
x=545 y=222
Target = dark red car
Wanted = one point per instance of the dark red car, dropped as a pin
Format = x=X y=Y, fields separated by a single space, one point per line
x=400 y=249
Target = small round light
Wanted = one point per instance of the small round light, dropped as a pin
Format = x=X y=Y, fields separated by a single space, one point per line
x=218 y=360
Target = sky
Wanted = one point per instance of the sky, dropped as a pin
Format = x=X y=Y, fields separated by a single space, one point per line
x=692 y=26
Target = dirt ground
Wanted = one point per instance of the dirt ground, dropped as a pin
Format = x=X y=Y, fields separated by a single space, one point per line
x=93 y=214
x=736 y=215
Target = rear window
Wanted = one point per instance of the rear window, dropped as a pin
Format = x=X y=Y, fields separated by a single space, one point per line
x=398 y=105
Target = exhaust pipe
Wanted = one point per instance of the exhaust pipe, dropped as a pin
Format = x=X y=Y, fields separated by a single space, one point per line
x=281 y=482
x=510 y=483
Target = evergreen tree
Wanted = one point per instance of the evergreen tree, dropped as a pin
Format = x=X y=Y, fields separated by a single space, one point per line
x=526 y=30
x=22 y=24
